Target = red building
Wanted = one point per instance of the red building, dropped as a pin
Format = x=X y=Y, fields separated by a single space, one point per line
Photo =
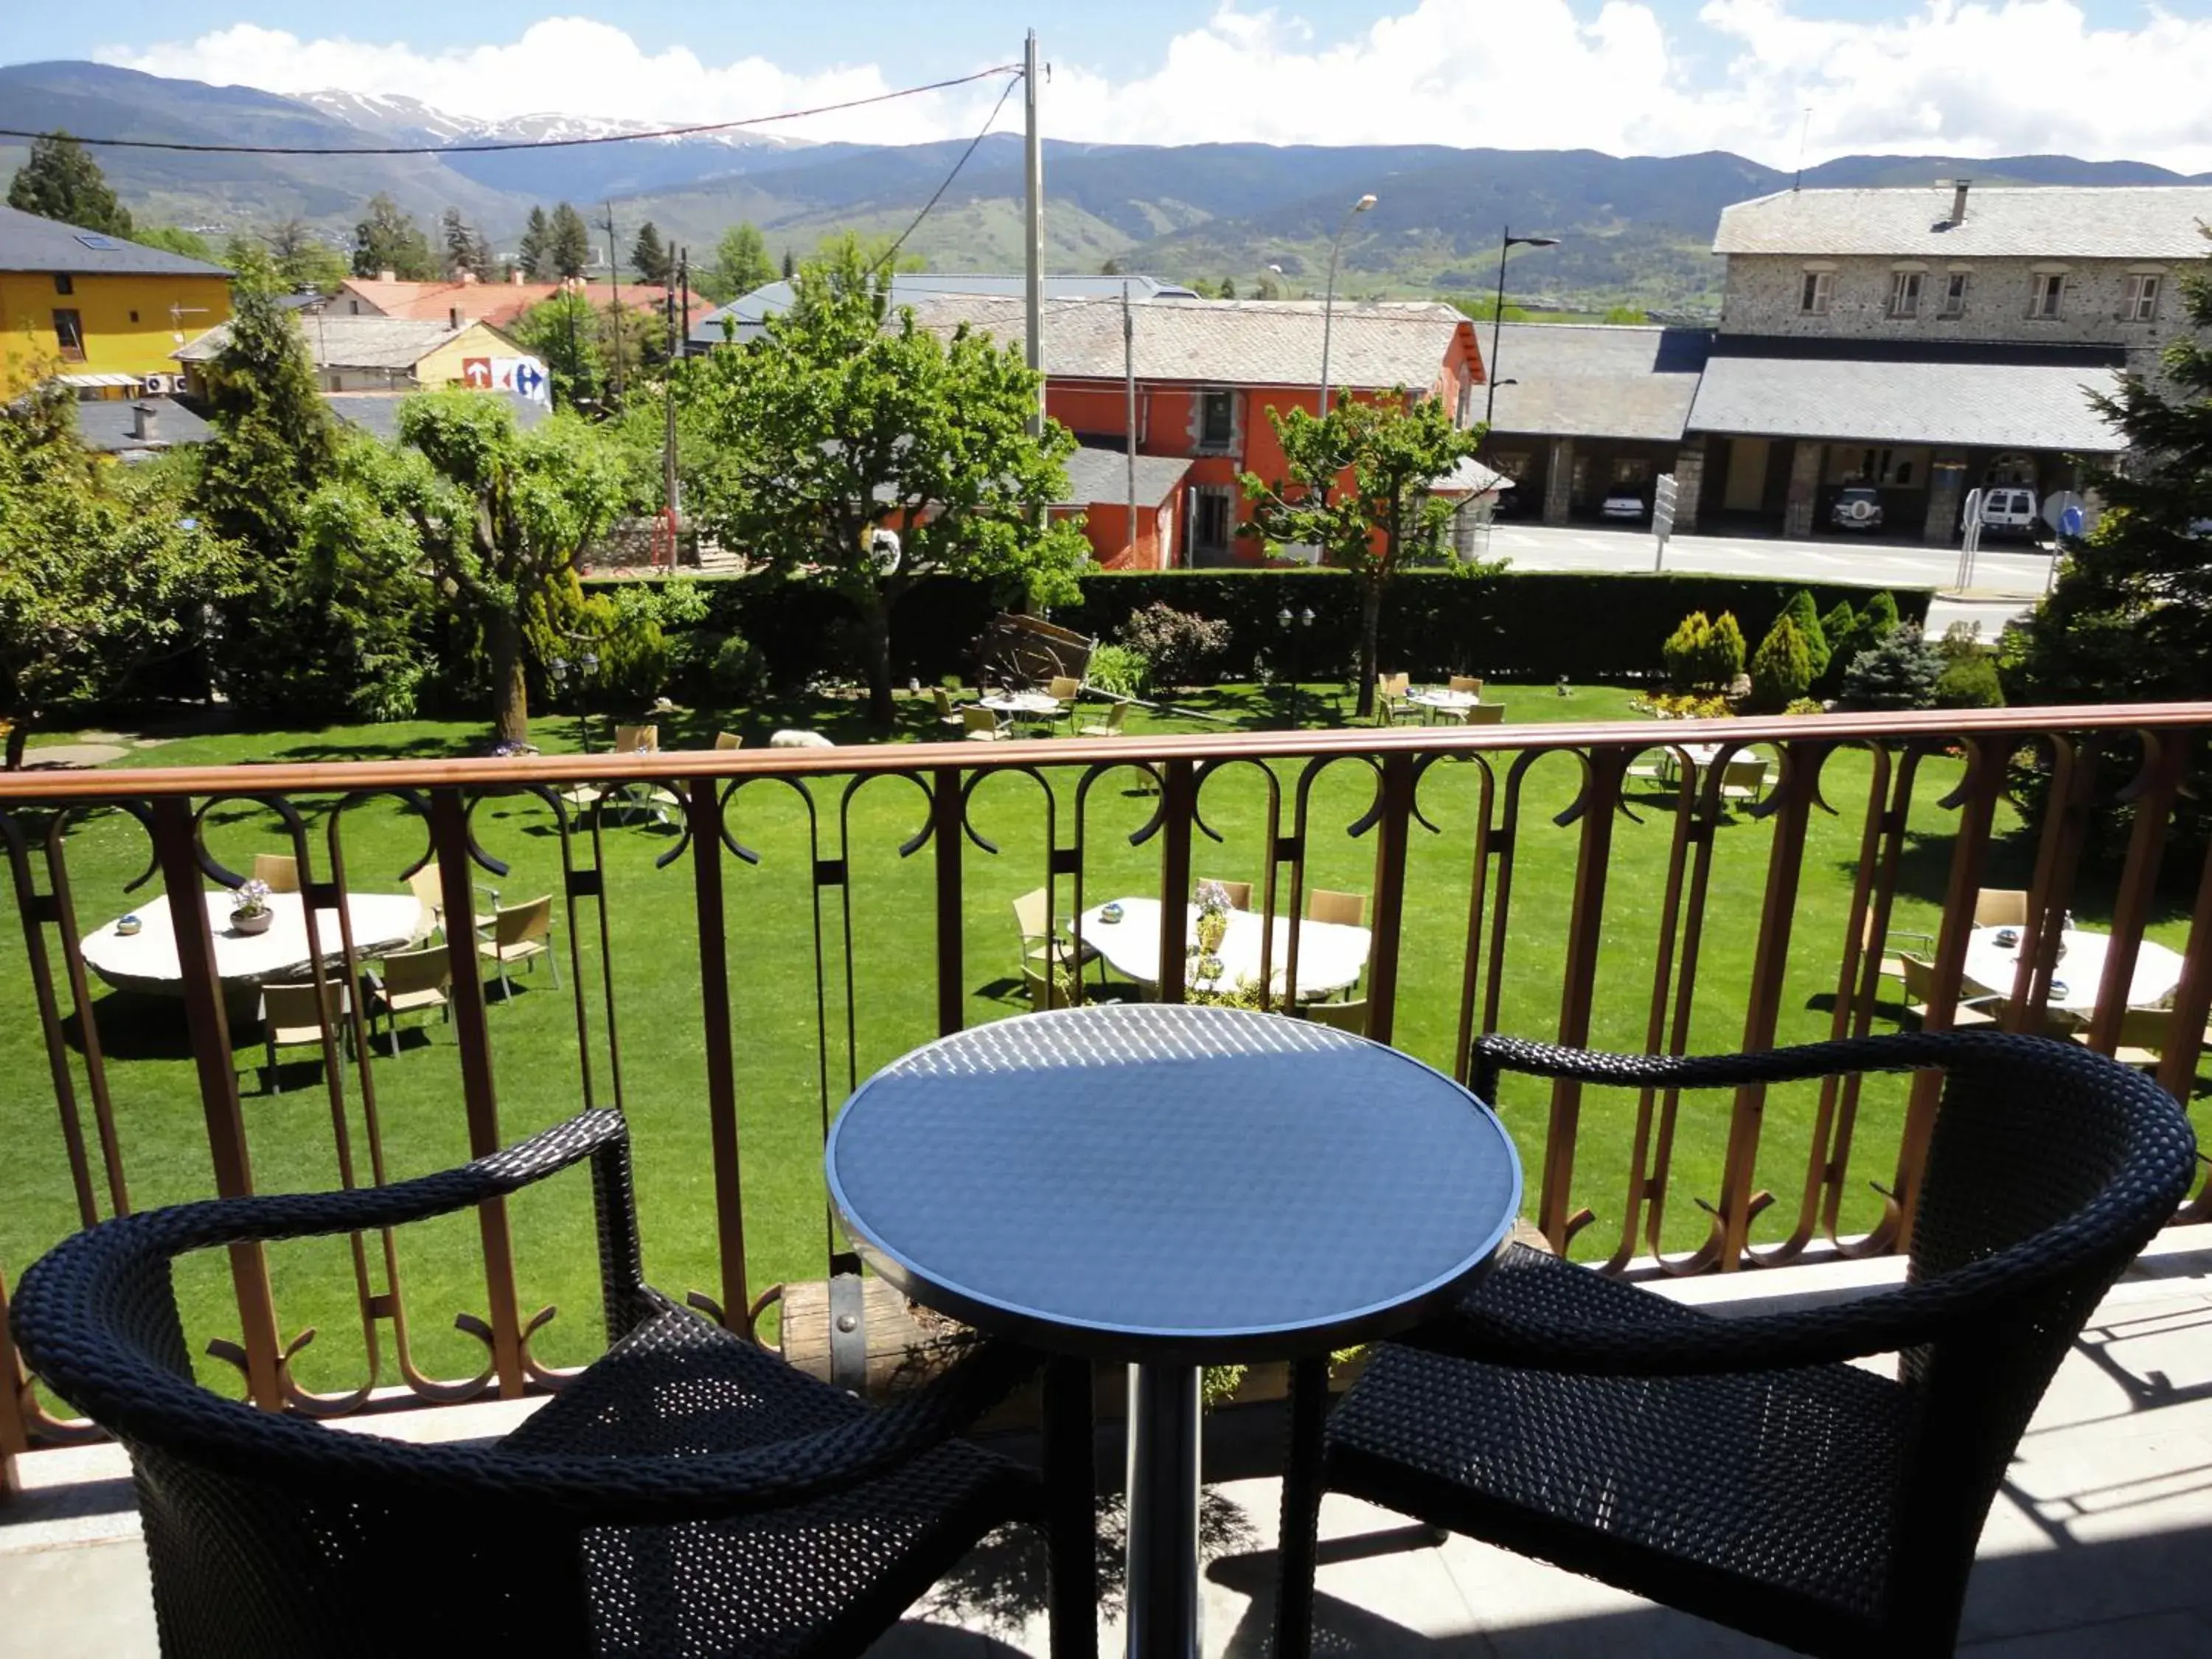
x=1207 y=371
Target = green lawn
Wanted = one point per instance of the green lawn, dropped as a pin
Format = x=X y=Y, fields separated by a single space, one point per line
x=782 y=1066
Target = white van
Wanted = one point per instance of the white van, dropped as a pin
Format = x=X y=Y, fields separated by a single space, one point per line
x=2007 y=510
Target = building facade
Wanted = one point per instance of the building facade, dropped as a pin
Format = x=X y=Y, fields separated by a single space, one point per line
x=97 y=312
x=394 y=354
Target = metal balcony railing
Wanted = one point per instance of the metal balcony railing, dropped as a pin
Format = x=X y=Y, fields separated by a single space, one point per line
x=743 y=934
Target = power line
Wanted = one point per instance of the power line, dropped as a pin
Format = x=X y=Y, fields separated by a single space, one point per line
x=990 y=121
x=1011 y=70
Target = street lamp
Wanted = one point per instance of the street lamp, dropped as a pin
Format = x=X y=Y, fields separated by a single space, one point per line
x=1329 y=302
x=578 y=673
x=1507 y=242
x=1293 y=648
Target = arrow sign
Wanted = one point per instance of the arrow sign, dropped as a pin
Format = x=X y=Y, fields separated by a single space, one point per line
x=476 y=374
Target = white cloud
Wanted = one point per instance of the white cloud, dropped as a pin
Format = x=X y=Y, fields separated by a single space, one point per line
x=2011 y=76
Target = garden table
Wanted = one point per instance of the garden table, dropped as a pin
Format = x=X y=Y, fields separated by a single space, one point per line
x=1020 y=702
x=1174 y=1187
x=1438 y=700
x=1331 y=955
x=1993 y=968
x=147 y=960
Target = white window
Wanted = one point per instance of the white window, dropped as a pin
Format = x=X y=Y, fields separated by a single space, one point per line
x=2142 y=298
x=1905 y=293
x=1813 y=297
x=2047 y=294
x=1954 y=294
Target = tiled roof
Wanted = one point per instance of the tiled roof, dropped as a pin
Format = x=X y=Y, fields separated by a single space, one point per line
x=105 y=425
x=336 y=341
x=745 y=312
x=1373 y=345
x=2121 y=222
x=496 y=303
x=30 y=243
x=1996 y=405
x=1103 y=475
x=378 y=412
x=1593 y=380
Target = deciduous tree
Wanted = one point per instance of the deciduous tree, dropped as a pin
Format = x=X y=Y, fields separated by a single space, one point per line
x=835 y=424
x=741 y=265
x=62 y=181
x=171 y=239
x=1356 y=484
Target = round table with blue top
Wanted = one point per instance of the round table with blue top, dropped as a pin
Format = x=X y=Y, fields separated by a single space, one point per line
x=1175 y=1187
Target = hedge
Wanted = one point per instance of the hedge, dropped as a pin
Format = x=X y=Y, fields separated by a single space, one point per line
x=1534 y=625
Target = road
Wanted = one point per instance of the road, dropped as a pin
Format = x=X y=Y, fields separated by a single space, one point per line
x=2007 y=581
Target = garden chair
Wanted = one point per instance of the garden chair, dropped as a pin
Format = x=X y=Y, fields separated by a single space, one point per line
x=637 y=739
x=290 y=1019
x=1659 y=768
x=979 y=724
x=1892 y=967
x=1484 y=714
x=2145 y=1035
x=1465 y=682
x=409 y=982
x=521 y=932
x=1044 y=939
x=1111 y=727
x=1743 y=779
x=429 y=888
x=1349 y=909
x=1064 y=688
x=1391 y=692
x=688 y=1493
x=2001 y=907
x=1342 y=1015
x=279 y=871
x=1742 y=1469
x=728 y=740
x=1918 y=974
x=946 y=714
x=1240 y=892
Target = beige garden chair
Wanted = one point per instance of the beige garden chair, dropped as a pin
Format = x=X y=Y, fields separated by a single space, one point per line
x=1484 y=714
x=1919 y=975
x=946 y=714
x=1349 y=909
x=1112 y=726
x=979 y=724
x=1240 y=892
x=2001 y=907
x=1343 y=1016
x=1743 y=779
x=2145 y=1035
x=409 y=982
x=637 y=739
x=279 y=871
x=1064 y=688
x=1465 y=682
x=728 y=740
x=521 y=932
x=1045 y=942
x=289 y=1020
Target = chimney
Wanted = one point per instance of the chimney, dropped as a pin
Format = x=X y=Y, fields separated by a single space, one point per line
x=453 y=318
x=1958 y=188
x=145 y=423
x=515 y=276
x=388 y=275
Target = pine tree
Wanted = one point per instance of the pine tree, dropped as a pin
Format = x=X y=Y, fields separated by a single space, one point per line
x=1782 y=668
x=1805 y=614
x=483 y=260
x=790 y=265
x=62 y=181
x=650 y=255
x=532 y=255
x=462 y=241
x=1228 y=288
x=388 y=239
x=569 y=242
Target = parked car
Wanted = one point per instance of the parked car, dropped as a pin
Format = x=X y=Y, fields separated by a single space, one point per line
x=1626 y=505
x=2007 y=510
x=1858 y=508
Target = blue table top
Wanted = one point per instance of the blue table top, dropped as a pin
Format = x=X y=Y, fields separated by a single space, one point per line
x=1160 y=1182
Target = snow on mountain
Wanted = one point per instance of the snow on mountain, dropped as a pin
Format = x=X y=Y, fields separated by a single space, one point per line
x=397 y=117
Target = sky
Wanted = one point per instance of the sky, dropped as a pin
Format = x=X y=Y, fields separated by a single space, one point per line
x=1776 y=80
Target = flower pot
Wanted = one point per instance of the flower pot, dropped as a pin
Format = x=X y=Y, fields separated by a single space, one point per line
x=251 y=922
x=1213 y=928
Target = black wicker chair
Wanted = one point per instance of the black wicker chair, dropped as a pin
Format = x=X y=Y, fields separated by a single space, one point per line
x=1738 y=1468
x=687 y=1494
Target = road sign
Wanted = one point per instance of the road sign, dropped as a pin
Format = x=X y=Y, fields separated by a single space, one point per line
x=1971 y=520
x=2072 y=520
x=1664 y=496
x=476 y=374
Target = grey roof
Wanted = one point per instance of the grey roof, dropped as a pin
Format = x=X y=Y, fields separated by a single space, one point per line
x=1469 y=477
x=1103 y=475
x=1996 y=405
x=343 y=341
x=377 y=413
x=2105 y=222
x=746 y=311
x=105 y=423
x=1594 y=380
x=30 y=243
x=1374 y=344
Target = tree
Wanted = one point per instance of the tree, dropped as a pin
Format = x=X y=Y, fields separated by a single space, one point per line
x=359 y=578
x=1781 y=667
x=497 y=515
x=568 y=242
x=62 y=181
x=484 y=262
x=466 y=250
x=1269 y=289
x=388 y=239
x=102 y=572
x=654 y=261
x=790 y=265
x=303 y=259
x=564 y=332
x=171 y=240
x=1899 y=673
x=834 y=424
x=1806 y=614
x=1390 y=450
x=534 y=255
x=1228 y=288
x=741 y=265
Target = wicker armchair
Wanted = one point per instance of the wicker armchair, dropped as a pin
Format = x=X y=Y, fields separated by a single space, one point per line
x=687 y=1493
x=1739 y=1469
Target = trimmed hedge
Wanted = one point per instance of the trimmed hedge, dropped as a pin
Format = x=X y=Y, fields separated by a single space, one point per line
x=1536 y=625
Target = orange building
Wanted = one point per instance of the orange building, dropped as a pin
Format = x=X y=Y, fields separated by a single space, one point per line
x=498 y=304
x=1207 y=371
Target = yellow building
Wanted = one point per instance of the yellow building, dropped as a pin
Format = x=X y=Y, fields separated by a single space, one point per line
x=103 y=314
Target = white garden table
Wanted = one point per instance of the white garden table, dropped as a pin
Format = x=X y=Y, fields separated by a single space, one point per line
x=147 y=960
x=1442 y=701
x=1992 y=968
x=1331 y=955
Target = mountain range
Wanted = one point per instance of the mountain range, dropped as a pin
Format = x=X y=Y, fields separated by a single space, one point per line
x=1633 y=230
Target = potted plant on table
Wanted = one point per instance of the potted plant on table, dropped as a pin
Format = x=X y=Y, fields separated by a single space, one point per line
x=250 y=911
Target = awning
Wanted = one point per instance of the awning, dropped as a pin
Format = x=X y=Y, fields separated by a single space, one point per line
x=88 y=381
x=1985 y=405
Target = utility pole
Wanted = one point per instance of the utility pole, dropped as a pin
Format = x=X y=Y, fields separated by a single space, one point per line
x=1033 y=224
x=1130 y=398
x=684 y=287
x=614 y=294
x=668 y=485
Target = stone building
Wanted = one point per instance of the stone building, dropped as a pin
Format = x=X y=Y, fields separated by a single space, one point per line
x=1929 y=341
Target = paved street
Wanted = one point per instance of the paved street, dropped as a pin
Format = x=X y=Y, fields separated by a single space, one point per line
x=2007 y=579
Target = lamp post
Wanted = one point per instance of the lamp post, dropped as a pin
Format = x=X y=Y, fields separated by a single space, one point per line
x=1294 y=642
x=1329 y=302
x=578 y=673
x=1506 y=243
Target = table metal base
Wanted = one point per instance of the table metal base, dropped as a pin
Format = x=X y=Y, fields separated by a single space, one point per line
x=1163 y=1499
